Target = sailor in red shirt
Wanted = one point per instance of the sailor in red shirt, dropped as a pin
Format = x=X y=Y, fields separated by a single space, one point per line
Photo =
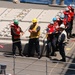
x=68 y=19
x=16 y=32
x=71 y=11
x=51 y=46
x=56 y=33
x=56 y=26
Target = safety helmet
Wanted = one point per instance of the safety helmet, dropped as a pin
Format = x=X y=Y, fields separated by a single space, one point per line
x=67 y=9
x=62 y=16
x=62 y=26
x=34 y=20
x=72 y=6
x=16 y=22
x=54 y=19
x=51 y=22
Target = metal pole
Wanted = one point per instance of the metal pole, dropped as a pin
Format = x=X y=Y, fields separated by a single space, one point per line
x=53 y=1
x=61 y=2
x=16 y=1
x=46 y=67
x=14 y=64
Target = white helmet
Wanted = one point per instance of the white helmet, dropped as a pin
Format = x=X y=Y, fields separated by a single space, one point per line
x=51 y=22
x=62 y=26
x=67 y=9
x=59 y=13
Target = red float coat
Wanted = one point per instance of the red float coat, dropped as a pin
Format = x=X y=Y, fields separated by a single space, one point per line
x=68 y=16
x=51 y=28
x=64 y=21
x=72 y=15
x=15 y=31
x=59 y=21
x=56 y=26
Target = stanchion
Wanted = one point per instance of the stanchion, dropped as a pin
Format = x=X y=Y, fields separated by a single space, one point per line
x=14 y=64
x=53 y=1
x=61 y=2
x=46 y=67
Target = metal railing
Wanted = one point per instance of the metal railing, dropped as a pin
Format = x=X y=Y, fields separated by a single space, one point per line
x=28 y=66
x=58 y=2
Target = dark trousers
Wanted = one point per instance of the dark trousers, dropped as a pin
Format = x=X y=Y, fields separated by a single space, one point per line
x=69 y=29
x=15 y=45
x=51 y=47
x=62 y=51
x=48 y=47
x=33 y=42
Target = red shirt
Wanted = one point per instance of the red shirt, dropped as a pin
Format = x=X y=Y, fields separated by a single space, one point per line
x=72 y=15
x=65 y=13
x=51 y=28
x=64 y=21
x=68 y=15
x=56 y=26
x=15 y=31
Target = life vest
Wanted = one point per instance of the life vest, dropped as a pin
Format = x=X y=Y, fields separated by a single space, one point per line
x=65 y=12
x=56 y=26
x=65 y=40
x=64 y=21
x=67 y=16
x=17 y=31
x=36 y=34
x=72 y=15
x=51 y=29
x=59 y=21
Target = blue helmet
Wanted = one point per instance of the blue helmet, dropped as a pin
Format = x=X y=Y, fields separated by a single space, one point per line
x=54 y=19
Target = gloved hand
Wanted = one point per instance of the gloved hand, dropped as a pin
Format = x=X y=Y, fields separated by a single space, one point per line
x=21 y=33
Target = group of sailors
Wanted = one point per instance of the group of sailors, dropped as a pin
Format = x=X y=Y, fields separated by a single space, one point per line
x=57 y=32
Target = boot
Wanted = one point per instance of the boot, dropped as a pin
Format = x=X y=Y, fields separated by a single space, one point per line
x=39 y=56
x=20 y=53
x=63 y=60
